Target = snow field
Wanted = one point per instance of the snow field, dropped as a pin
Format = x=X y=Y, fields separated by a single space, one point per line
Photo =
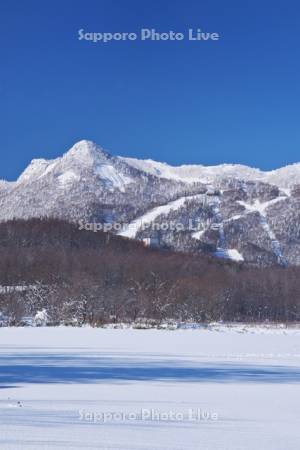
x=54 y=380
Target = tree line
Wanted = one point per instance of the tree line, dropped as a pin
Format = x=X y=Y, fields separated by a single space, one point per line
x=81 y=277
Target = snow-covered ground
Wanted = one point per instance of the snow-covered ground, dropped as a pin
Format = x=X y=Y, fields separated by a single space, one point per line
x=219 y=388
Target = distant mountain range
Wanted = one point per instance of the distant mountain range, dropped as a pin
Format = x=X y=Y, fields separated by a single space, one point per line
x=231 y=211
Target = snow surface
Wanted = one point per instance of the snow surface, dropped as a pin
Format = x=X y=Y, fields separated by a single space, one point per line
x=284 y=177
x=133 y=227
x=67 y=178
x=191 y=173
x=36 y=169
x=229 y=253
x=108 y=173
x=198 y=234
x=247 y=377
x=260 y=207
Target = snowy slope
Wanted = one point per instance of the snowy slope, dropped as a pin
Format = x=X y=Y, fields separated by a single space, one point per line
x=132 y=228
x=261 y=208
x=83 y=156
x=195 y=173
x=284 y=177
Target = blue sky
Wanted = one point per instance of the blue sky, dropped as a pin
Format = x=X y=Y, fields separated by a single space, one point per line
x=234 y=100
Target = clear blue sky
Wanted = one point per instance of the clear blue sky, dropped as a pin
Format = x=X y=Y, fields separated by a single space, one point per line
x=235 y=100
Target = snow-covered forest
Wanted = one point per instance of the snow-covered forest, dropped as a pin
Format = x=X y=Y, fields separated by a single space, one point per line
x=53 y=273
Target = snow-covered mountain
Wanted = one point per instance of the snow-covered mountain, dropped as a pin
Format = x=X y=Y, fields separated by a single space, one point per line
x=83 y=158
x=231 y=211
x=195 y=173
x=190 y=173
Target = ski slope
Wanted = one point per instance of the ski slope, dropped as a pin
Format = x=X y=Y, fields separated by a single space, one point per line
x=261 y=208
x=133 y=227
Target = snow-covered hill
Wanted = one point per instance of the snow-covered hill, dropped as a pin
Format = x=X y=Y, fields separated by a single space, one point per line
x=225 y=210
x=284 y=177
x=195 y=173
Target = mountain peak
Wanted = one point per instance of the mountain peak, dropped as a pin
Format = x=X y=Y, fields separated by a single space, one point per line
x=83 y=154
x=87 y=152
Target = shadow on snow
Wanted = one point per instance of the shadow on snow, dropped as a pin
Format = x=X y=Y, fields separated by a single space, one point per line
x=79 y=368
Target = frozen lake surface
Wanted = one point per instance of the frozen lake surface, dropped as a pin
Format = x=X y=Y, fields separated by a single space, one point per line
x=82 y=388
